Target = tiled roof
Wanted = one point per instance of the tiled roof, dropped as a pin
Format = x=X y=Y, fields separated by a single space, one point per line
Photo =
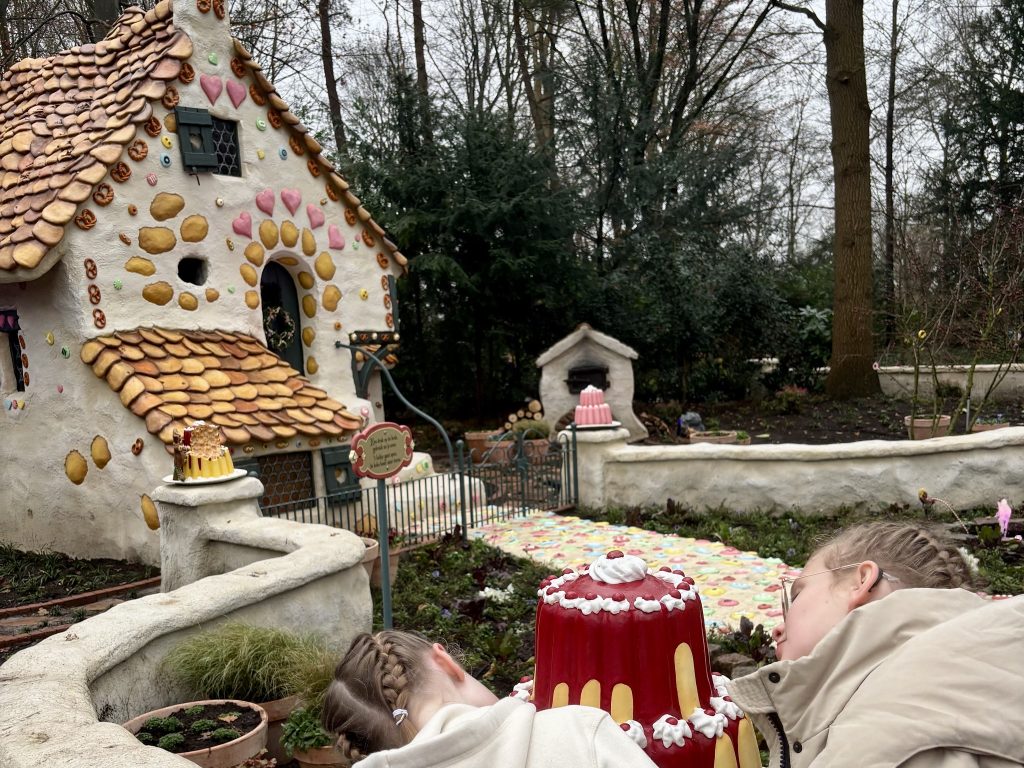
x=173 y=378
x=66 y=119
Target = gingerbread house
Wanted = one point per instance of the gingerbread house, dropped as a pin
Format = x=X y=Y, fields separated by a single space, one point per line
x=174 y=247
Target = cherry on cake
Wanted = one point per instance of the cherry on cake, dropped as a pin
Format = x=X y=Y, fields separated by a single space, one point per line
x=631 y=641
x=593 y=410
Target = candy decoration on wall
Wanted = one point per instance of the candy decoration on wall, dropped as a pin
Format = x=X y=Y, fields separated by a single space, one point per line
x=121 y=172
x=187 y=74
x=104 y=193
x=335 y=239
x=265 y=201
x=138 y=150
x=292 y=199
x=65 y=352
x=237 y=67
x=149 y=512
x=213 y=59
x=315 y=215
x=100 y=451
x=242 y=225
x=75 y=467
x=86 y=220
x=236 y=92
x=49 y=338
x=212 y=86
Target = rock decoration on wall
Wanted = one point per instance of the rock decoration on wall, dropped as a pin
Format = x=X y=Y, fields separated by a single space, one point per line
x=172 y=379
x=144 y=48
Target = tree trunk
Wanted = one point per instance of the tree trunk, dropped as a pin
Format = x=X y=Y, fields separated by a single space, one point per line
x=330 y=79
x=889 y=260
x=851 y=374
x=419 y=45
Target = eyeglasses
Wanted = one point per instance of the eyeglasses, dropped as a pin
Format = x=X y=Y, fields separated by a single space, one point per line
x=786 y=580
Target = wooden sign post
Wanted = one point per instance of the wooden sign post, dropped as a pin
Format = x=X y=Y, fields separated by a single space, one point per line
x=380 y=452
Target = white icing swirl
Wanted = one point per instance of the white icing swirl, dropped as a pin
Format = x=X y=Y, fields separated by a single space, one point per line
x=570 y=602
x=587 y=607
x=676 y=603
x=635 y=731
x=671 y=733
x=675 y=579
x=553 y=597
x=719 y=680
x=614 y=606
x=727 y=708
x=711 y=726
x=647 y=606
x=618 y=570
x=523 y=691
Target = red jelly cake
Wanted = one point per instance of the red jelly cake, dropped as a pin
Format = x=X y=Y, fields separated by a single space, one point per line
x=631 y=641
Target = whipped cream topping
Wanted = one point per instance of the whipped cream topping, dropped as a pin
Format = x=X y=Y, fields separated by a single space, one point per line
x=671 y=730
x=635 y=731
x=647 y=606
x=723 y=705
x=523 y=690
x=711 y=726
x=719 y=680
x=676 y=599
x=617 y=568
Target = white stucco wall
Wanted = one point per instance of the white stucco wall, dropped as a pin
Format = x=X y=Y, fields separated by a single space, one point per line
x=39 y=506
x=62 y=699
x=898 y=381
x=967 y=471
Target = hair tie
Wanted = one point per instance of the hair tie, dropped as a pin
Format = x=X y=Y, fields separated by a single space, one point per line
x=399 y=715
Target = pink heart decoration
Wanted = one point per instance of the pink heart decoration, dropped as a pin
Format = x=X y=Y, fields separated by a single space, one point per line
x=265 y=201
x=243 y=225
x=291 y=199
x=334 y=237
x=212 y=85
x=316 y=216
x=236 y=92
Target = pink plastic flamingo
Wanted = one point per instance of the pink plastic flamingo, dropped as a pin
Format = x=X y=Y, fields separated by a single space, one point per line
x=1003 y=513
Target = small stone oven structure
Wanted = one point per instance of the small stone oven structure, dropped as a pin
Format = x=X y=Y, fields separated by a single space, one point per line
x=588 y=357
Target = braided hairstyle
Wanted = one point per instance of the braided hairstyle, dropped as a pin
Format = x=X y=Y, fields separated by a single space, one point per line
x=919 y=555
x=378 y=675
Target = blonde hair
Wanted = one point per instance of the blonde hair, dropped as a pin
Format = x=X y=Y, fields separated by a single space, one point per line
x=919 y=555
x=377 y=676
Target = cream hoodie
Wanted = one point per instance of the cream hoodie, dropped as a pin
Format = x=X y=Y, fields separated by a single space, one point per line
x=513 y=734
x=924 y=678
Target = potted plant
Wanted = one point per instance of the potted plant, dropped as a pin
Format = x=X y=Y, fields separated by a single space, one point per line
x=536 y=436
x=924 y=427
x=394 y=556
x=248 y=663
x=985 y=424
x=717 y=436
x=371 y=557
x=305 y=739
x=478 y=442
x=742 y=438
x=215 y=733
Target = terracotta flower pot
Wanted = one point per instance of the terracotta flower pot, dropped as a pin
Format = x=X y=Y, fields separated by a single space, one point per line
x=225 y=755
x=394 y=556
x=321 y=757
x=988 y=427
x=925 y=427
x=277 y=712
x=371 y=556
x=718 y=437
x=478 y=443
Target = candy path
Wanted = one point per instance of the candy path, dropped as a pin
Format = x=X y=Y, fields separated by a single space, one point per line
x=732 y=583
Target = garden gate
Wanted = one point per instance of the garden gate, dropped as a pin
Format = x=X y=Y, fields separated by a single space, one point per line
x=517 y=475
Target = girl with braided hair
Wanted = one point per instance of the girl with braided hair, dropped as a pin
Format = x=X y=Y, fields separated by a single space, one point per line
x=884 y=662
x=399 y=700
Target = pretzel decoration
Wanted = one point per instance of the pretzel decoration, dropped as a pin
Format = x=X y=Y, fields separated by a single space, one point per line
x=274 y=118
x=387 y=301
x=99 y=319
x=314 y=169
x=187 y=73
x=237 y=67
x=120 y=172
x=133 y=209
x=94 y=294
x=103 y=194
x=86 y=219
x=90 y=268
x=171 y=98
x=369 y=239
x=25 y=377
x=218 y=9
x=203 y=6
x=137 y=446
x=332 y=192
x=153 y=127
x=257 y=98
x=138 y=150
x=298 y=147
x=125 y=239
x=350 y=217
x=384 y=283
x=382 y=260
x=389 y=320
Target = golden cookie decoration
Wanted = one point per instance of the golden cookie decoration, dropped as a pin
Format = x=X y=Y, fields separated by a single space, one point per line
x=166 y=205
x=268 y=233
x=312 y=366
x=188 y=301
x=75 y=467
x=140 y=266
x=194 y=229
x=308 y=335
x=158 y=293
x=100 y=451
x=249 y=274
x=252 y=299
x=155 y=240
x=324 y=266
x=149 y=512
x=309 y=306
x=332 y=295
x=212 y=294
x=289 y=234
x=308 y=242
x=306 y=280
x=254 y=253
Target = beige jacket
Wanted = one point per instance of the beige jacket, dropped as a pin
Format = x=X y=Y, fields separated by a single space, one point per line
x=925 y=678
x=513 y=734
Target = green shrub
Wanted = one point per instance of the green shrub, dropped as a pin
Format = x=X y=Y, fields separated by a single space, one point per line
x=162 y=725
x=532 y=429
x=222 y=735
x=196 y=710
x=302 y=731
x=244 y=662
x=171 y=741
x=146 y=738
x=202 y=726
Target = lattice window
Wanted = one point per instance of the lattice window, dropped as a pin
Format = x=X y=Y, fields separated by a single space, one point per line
x=207 y=142
x=286 y=477
x=225 y=144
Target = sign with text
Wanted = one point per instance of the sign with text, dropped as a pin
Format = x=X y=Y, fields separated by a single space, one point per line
x=382 y=450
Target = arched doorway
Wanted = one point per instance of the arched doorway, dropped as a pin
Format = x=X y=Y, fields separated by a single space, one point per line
x=281 y=321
